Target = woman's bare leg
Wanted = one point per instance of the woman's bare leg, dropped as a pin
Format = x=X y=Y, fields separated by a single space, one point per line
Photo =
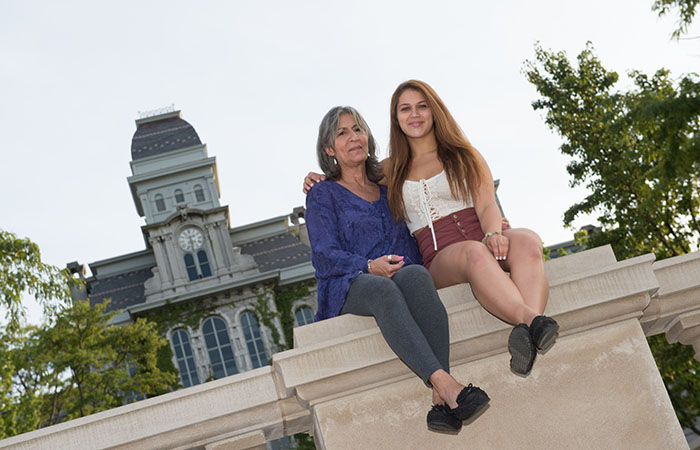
x=526 y=267
x=472 y=262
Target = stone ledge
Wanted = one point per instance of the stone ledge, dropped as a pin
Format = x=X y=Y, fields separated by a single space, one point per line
x=353 y=353
x=679 y=292
x=597 y=389
x=559 y=271
x=229 y=406
x=591 y=295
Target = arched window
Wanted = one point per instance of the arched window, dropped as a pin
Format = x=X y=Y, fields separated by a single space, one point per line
x=256 y=349
x=303 y=315
x=198 y=193
x=203 y=264
x=160 y=203
x=191 y=267
x=179 y=196
x=223 y=362
x=185 y=360
x=199 y=268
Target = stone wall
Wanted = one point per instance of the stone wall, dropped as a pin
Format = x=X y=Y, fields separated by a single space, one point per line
x=598 y=387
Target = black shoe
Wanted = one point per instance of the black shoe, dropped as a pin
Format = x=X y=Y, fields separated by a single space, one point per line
x=544 y=331
x=522 y=350
x=440 y=420
x=470 y=402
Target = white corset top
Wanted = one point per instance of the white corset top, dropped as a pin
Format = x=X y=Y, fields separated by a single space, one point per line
x=429 y=200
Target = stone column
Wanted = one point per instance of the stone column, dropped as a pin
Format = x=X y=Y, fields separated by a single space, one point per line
x=164 y=269
x=175 y=260
x=217 y=248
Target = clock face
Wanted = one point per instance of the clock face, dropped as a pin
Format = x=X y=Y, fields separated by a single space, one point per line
x=190 y=239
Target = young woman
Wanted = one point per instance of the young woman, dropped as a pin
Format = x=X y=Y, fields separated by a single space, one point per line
x=367 y=264
x=442 y=187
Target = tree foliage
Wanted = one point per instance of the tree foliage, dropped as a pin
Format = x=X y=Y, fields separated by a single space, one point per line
x=637 y=151
x=681 y=374
x=23 y=272
x=77 y=366
x=686 y=12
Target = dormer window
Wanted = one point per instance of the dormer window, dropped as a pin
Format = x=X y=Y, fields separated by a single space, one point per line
x=160 y=203
x=199 y=193
x=179 y=196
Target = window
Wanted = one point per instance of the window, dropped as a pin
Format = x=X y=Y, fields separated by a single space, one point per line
x=160 y=203
x=185 y=360
x=191 y=267
x=179 y=196
x=199 y=268
x=303 y=316
x=223 y=362
x=199 y=193
x=203 y=263
x=256 y=349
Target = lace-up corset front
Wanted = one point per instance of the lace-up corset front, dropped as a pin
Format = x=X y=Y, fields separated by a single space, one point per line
x=429 y=200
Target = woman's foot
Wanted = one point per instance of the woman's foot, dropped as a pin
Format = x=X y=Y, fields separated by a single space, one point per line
x=522 y=350
x=463 y=403
x=544 y=331
x=441 y=420
x=470 y=402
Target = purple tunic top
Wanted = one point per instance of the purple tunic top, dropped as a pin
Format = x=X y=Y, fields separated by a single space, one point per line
x=345 y=231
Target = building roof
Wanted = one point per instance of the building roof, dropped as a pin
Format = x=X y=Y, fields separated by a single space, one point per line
x=125 y=289
x=162 y=134
x=277 y=252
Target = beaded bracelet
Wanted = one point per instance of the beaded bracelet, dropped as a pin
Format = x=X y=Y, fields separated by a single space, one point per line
x=369 y=266
x=488 y=235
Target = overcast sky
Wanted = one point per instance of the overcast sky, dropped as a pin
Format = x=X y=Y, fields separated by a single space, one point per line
x=254 y=78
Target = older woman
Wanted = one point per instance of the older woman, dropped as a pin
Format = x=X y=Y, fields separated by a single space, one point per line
x=367 y=264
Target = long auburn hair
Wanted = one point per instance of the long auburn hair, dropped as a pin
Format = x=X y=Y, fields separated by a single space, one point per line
x=457 y=155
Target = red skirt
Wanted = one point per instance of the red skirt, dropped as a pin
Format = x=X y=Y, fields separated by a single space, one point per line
x=459 y=226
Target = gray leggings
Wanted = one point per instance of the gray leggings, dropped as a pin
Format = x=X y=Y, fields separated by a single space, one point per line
x=410 y=315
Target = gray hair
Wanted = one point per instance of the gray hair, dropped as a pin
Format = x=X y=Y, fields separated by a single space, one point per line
x=326 y=138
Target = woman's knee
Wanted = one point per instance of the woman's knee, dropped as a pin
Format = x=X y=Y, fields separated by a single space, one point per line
x=475 y=254
x=413 y=275
x=527 y=243
x=385 y=296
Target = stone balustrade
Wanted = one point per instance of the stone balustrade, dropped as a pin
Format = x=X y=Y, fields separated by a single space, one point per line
x=598 y=387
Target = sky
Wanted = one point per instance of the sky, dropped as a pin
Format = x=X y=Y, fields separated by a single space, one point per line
x=255 y=78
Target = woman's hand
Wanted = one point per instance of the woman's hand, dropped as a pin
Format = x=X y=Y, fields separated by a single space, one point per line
x=505 y=224
x=311 y=179
x=498 y=244
x=386 y=266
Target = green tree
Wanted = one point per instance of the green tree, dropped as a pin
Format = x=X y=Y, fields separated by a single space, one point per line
x=23 y=272
x=686 y=12
x=638 y=153
x=681 y=374
x=76 y=366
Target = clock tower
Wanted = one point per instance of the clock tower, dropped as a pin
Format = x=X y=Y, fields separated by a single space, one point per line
x=174 y=185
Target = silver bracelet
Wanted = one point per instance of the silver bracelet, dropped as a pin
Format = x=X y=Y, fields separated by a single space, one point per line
x=369 y=266
x=488 y=235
